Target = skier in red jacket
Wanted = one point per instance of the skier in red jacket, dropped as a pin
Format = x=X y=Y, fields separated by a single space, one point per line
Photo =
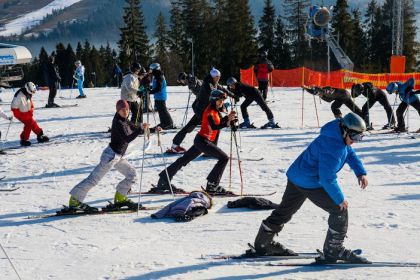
x=23 y=110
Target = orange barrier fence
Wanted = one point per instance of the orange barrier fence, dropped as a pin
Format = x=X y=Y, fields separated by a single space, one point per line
x=339 y=79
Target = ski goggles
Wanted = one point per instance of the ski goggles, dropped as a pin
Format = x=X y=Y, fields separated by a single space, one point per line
x=355 y=136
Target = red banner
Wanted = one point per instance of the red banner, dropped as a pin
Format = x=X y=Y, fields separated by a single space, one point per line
x=339 y=79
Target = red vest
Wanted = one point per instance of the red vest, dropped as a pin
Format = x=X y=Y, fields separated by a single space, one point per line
x=262 y=73
x=206 y=131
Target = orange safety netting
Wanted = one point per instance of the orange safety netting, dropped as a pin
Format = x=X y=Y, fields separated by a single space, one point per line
x=339 y=79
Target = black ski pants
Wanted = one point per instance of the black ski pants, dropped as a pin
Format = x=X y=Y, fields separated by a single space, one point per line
x=292 y=200
x=53 y=92
x=260 y=101
x=201 y=145
x=383 y=100
x=136 y=112
x=335 y=106
x=263 y=87
x=188 y=128
x=165 y=118
x=402 y=108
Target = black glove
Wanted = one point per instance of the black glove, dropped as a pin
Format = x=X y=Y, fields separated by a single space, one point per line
x=236 y=99
x=140 y=93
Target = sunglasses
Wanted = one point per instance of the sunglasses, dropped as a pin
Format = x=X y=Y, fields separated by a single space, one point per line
x=355 y=135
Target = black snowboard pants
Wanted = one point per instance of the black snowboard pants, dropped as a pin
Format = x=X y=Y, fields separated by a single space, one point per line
x=201 y=145
x=165 y=118
x=335 y=106
x=292 y=200
x=402 y=108
x=188 y=128
x=263 y=87
x=136 y=112
x=52 y=93
x=383 y=100
x=260 y=101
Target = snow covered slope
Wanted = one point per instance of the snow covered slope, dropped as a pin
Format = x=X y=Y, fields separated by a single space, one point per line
x=384 y=219
x=28 y=20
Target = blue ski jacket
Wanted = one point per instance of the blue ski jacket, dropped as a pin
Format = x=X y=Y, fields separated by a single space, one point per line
x=318 y=165
x=405 y=90
x=159 y=89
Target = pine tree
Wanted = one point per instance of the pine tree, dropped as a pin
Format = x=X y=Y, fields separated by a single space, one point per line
x=134 y=43
x=67 y=71
x=267 y=26
x=342 y=24
x=281 y=51
x=358 y=45
x=409 y=34
x=296 y=13
x=368 y=25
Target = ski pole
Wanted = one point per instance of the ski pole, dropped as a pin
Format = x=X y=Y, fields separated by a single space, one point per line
x=230 y=158
x=5 y=137
x=10 y=261
x=239 y=162
x=303 y=100
x=184 y=120
x=237 y=114
x=164 y=163
x=316 y=111
x=142 y=169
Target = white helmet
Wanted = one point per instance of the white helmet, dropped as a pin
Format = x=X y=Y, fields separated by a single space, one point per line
x=154 y=66
x=78 y=62
x=30 y=87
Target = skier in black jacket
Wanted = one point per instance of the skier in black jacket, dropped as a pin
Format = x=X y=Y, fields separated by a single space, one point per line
x=337 y=96
x=52 y=79
x=193 y=83
x=210 y=82
x=373 y=95
x=251 y=94
x=122 y=133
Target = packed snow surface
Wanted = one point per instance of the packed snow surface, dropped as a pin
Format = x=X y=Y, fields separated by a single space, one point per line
x=18 y=25
x=384 y=219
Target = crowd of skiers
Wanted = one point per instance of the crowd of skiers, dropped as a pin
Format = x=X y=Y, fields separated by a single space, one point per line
x=313 y=174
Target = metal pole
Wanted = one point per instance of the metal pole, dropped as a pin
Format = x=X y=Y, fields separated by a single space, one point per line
x=10 y=261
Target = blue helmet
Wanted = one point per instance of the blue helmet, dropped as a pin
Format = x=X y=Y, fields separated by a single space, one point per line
x=392 y=87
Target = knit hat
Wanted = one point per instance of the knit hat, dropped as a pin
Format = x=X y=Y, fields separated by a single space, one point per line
x=121 y=104
x=214 y=72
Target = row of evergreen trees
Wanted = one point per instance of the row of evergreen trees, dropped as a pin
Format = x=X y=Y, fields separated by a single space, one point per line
x=221 y=33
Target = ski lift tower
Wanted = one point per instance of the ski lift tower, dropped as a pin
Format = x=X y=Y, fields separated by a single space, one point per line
x=397 y=62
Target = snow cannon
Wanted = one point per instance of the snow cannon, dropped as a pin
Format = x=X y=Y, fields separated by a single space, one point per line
x=318 y=19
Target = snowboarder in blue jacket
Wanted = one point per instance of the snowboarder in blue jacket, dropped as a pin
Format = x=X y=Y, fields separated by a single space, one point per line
x=408 y=97
x=313 y=175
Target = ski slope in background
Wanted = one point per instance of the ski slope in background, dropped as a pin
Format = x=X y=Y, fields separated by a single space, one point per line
x=17 y=26
x=383 y=219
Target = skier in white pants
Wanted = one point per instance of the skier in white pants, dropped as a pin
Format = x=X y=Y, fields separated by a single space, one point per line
x=122 y=133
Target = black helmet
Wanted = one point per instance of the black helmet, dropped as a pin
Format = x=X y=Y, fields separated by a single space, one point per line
x=231 y=81
x=356 y=90
x=135 y=66
x=217 y=94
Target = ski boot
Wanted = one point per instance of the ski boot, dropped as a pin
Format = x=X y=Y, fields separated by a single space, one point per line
x=42 y=138
x=77 y=206
x=270 y=124
x=121 y=202
x=345 y=255
x=214 y=189
x=175 y=149
x=400 y=129
x=52 y=105
x=81 y=96
x=25 y=143
x=164 y=187
x=387 y=126
x=246 y=124
x=264 y=244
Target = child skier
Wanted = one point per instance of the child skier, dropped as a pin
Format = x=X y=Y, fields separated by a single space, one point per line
x=122 y=133
x=313 y=175
x=408 y=97
x=23 y=110
x=79 y=76
x=251 y=94
x=204 y=142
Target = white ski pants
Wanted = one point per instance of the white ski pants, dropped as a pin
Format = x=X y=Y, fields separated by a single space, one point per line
x=109 y=159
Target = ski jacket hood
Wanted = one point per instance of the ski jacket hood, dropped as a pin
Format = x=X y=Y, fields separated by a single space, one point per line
x=405 y=91
x=318 y=165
